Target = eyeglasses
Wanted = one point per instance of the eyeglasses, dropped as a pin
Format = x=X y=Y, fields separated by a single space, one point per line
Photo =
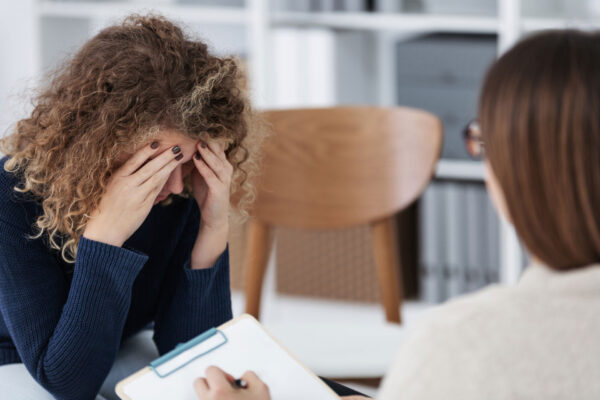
x=474 y=140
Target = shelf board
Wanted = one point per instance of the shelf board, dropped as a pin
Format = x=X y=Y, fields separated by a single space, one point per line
x=388 y=21
x=460 y=170
x=107 y=9
x=539 y=24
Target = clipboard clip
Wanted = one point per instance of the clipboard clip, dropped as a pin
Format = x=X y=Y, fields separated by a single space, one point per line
x=185 y=353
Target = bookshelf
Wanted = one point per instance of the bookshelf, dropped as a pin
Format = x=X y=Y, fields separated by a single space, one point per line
x=249 y=19
x=378 y=21
x=253 y=23
x=186 y=12
x=460 y=170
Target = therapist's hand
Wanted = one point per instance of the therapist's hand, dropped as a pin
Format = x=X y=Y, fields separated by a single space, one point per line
x=218 y=385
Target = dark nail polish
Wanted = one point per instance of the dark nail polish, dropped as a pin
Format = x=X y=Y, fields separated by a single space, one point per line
x=154 y=145
x=179 y=157
x=198 y=156
x=203 y=145
x=176 y=149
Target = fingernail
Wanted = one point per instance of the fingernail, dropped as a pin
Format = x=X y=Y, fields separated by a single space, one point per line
x=154 y=145
x=179 y=157
x=197 y=155
x=203 y=145
x=176 y=149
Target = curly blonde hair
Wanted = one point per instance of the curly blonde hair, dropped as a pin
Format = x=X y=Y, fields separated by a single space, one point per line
x=120 y=90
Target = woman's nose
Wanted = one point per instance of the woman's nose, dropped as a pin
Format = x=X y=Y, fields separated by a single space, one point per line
x=175 y=182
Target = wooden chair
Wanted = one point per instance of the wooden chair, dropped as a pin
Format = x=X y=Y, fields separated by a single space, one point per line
x=339 y=167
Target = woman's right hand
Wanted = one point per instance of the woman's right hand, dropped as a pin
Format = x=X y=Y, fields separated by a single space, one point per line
x=219 y=385
x=130 y=195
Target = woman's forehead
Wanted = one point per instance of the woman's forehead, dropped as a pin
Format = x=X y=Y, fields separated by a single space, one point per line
x=168 y=139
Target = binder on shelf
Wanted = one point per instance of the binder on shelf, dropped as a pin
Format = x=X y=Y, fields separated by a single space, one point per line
x=237 y=346
x=493 y=246
x=432 y=246
x=477 y=237
x=456 y=245
x=307 y=55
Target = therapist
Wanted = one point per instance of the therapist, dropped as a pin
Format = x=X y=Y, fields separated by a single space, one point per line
x=539 y=133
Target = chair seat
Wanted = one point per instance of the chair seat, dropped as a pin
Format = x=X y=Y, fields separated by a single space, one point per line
x=341 y=349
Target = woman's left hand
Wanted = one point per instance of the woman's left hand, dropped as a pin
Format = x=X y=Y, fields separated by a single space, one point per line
x=211 y=182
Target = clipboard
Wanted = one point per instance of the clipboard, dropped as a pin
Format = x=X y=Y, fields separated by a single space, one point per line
x=237 y=346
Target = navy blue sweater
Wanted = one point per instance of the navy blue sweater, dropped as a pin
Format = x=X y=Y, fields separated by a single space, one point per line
x=66 y=327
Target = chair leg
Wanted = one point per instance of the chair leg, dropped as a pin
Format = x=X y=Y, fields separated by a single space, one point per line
x=255 y=264
x=387 y=263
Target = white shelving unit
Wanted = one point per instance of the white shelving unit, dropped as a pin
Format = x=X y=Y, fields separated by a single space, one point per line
x=509 y=25
x=252 y=18
x=407 y=23
x=460 y=170
x=188 y=12
x=257 y=19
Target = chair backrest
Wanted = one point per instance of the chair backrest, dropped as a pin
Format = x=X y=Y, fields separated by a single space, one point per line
x=344 y=166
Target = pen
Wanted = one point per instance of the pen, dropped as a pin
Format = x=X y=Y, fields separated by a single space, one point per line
x=240 y=384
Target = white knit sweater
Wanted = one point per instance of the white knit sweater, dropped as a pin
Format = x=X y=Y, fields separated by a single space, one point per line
x=537 y=340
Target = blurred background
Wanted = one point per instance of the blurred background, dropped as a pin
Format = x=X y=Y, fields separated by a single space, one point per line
x=429 y=54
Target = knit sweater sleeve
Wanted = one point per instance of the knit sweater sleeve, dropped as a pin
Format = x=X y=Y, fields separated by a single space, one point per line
x=191 y=301
x=66 y=335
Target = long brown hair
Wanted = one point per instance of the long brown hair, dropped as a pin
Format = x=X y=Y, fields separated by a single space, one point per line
x=540 y=118
x=118 y=91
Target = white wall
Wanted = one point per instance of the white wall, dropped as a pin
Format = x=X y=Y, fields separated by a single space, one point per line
x=18 y=65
